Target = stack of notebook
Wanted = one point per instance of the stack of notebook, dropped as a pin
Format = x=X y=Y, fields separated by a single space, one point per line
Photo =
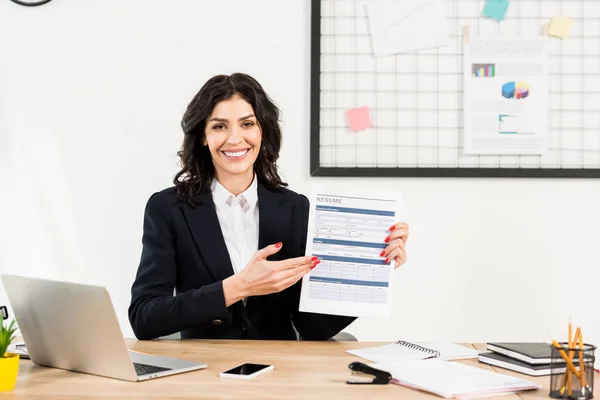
x=530 y=358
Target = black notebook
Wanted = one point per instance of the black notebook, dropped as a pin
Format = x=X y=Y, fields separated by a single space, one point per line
x=530 y=352
x=505 y=362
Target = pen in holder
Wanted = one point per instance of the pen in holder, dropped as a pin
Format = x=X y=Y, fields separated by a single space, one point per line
x=572 y=370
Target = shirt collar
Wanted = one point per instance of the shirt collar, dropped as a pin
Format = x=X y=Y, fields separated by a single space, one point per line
x=251 y=194
x=222 y=196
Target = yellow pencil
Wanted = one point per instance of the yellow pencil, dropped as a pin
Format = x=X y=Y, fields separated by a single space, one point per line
x=581 y=367
x=570 y=346
x=571 y=354
x=566 y=358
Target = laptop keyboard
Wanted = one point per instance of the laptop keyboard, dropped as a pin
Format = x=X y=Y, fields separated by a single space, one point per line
x=145 y=369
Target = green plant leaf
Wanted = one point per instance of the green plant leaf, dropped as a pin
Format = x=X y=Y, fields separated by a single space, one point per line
x=7 y=335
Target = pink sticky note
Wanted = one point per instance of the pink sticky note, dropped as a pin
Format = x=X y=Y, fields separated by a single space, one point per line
x=359 y=118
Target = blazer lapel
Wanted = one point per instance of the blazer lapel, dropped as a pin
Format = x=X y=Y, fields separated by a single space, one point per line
x=274 y=218
x=203 y=223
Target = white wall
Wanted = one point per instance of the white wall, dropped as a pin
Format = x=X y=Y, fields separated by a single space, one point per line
x=91 y=94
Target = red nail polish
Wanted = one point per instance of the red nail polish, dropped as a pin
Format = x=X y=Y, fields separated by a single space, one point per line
x=278 y=245
x=314 y=258
x=387 y=261
x=387 y=239
x=393 y=228
x=382 y=253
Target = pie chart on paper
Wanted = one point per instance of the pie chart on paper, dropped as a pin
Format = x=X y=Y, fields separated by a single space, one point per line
x=515 y=90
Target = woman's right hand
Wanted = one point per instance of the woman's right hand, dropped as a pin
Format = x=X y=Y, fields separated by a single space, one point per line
x=261 y=277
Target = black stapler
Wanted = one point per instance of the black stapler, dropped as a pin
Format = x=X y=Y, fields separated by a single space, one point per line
x=380 y=377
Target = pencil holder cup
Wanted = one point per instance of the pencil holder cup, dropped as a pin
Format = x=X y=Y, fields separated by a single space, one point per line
x=572 y=372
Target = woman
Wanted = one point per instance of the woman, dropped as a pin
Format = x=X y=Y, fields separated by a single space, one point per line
x=229 y=238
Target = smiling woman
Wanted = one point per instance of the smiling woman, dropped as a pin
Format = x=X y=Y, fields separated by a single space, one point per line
x=229 y=238
x=233 y=114
x=233 y=142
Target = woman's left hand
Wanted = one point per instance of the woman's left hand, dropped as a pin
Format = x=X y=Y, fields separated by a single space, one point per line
x=396 y=249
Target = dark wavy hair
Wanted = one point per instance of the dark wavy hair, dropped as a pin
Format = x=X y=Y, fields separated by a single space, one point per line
x=197 y=169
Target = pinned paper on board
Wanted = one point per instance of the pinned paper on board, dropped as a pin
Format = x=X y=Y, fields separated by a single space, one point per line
x=560 y=27
x=495 y=9
x=505 y=95
x=407 y=25
x=359 y=118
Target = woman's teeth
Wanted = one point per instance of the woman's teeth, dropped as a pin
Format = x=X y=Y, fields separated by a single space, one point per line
x=235 y=154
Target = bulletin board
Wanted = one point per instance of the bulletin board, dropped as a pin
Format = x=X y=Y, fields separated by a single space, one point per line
x=415 y=99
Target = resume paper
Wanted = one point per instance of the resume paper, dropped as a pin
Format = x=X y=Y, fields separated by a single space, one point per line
x=347 y=231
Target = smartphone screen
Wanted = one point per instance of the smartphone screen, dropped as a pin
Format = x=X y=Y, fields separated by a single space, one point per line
x=246 y=369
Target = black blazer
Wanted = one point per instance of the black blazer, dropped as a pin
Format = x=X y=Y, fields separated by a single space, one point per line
x=184 y=249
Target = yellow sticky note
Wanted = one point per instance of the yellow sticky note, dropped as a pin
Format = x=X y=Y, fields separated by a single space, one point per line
x=560 y=27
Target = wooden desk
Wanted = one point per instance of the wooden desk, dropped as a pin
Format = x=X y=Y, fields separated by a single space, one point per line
x=303 y=370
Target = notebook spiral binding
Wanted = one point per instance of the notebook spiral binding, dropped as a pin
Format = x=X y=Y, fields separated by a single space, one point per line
x=413 y=346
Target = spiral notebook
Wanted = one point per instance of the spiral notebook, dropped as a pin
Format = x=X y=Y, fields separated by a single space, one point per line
x=407 y=351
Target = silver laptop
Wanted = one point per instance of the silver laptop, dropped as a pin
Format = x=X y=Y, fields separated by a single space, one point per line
x=73 y=326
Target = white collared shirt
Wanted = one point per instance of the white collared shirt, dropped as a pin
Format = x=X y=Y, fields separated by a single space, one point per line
x=238 y=218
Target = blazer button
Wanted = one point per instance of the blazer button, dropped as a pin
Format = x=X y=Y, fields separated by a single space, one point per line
x=216 y=322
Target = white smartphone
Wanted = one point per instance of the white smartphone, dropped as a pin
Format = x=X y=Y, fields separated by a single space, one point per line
x=246 y=371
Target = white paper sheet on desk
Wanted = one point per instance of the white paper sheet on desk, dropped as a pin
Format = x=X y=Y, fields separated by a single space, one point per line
x=452 y=379
x=399 y=26
x=347 y=231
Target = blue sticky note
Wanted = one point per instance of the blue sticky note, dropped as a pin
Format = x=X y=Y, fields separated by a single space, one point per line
x=495 y=9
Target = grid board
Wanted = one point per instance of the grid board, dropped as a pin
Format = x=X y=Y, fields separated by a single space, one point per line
x=416 y=98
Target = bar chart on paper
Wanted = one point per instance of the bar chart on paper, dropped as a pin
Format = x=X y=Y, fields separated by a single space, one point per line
x=348 y=237
x=483 y=70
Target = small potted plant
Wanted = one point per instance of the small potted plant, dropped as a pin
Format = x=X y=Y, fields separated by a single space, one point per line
x=9 y=363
